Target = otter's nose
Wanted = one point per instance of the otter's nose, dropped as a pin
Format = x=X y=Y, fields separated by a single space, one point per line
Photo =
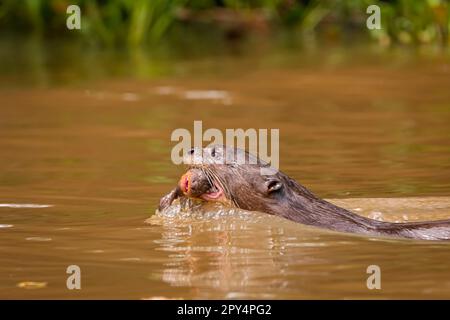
x=191 y=152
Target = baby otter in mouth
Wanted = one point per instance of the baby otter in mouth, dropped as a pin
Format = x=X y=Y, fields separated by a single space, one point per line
x=233 y=177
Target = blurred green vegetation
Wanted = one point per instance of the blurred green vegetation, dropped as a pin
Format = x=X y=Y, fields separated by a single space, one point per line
x=137 y=22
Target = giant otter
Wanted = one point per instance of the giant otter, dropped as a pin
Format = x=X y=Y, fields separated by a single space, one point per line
x=233 y=177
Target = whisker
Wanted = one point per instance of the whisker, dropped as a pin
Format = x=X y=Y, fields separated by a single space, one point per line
x=224 y=187
x=214 y=179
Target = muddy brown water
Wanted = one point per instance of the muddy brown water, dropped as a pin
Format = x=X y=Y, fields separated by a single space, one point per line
x=83 y=167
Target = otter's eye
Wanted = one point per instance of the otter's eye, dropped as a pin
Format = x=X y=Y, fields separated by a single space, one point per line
x=213 y=152
x=191 y=151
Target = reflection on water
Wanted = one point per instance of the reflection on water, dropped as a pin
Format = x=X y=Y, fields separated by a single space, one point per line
x=83 y=167
x=23 y=205
x=220 y=253
x=230 y=254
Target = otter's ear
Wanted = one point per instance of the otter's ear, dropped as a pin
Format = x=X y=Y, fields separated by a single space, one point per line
x=273 y=185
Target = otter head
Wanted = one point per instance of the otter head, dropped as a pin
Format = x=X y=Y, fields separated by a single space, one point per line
x=231 y=176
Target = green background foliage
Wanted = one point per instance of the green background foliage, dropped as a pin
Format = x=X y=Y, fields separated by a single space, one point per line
x=137 y=22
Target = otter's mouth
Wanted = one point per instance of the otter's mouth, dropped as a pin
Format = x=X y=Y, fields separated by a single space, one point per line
x=195 y=184
x=212 y=194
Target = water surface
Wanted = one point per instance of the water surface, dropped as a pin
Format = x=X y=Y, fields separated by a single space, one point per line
x=83 y=167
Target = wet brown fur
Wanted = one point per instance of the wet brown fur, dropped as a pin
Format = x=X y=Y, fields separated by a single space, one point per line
x=278 y=194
